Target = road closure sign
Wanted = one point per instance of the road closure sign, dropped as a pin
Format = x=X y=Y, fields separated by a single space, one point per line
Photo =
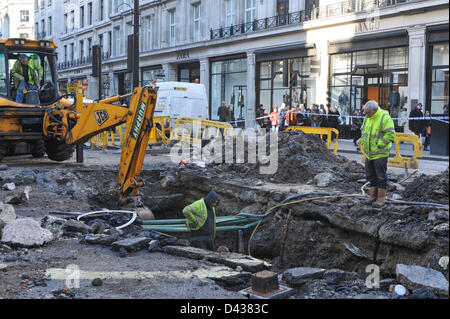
x=72 y=87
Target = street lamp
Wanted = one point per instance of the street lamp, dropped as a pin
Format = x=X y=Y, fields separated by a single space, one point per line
x=135 y=56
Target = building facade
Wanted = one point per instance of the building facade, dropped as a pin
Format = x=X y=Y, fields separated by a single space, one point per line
x=16 y=19
x=251 y=52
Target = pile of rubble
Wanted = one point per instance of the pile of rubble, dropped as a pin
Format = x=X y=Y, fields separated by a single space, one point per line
x=302 y=158
x=426 y=188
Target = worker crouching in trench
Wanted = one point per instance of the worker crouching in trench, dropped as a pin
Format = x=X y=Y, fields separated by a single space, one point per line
x=201 y=221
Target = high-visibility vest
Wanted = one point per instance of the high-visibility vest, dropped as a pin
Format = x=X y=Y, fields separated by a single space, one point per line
x=377 y=135
x=198 y=212
x=33 y=68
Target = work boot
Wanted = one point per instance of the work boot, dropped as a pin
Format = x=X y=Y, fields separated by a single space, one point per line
x=379 y=203
x=373 y=195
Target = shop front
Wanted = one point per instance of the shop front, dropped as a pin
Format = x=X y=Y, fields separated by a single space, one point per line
x=189 y=72
x=151 y=74
x=438 y=66
x=293 y=64
x=229 y=85
x=124 y=82
x=367 y=68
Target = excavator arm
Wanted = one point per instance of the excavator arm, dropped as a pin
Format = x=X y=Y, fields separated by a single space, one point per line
x=77 y=123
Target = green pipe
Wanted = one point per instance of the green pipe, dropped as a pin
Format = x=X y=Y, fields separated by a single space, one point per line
x=175 y=228
x=221 y=219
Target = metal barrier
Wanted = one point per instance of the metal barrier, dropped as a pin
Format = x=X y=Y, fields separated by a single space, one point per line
x=193 y=131
x=321 y=131
x=401 y=161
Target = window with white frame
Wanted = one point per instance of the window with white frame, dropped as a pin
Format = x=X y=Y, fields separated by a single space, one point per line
x=101 y=11
x=172 y=27
x=230 y=13
x=250 y=10
x=117 y=50
x=89 y=13
x=24 y=16
x=147 y=33
x=197 y=30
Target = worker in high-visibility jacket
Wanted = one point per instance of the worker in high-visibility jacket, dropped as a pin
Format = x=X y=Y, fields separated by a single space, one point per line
x=377 y=135
x=27 y=73
x=201 y=221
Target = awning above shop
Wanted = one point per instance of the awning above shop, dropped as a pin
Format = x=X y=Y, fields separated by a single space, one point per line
x=437 y=33
x=286 y=52
x=369 y=42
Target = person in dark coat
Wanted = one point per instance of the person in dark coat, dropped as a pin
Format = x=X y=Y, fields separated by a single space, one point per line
x=356 y=127
x=333 y=120
x=417 y=126
x=222 y=112
x=281 y=117
x=427 y=131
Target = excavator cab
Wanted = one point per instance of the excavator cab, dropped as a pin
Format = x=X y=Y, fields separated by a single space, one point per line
x=41 y=56
x=21 y=119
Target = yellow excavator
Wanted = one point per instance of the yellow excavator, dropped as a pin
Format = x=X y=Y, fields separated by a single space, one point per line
x=58 y=122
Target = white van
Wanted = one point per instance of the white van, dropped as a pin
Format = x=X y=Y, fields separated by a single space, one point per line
x=180 y=99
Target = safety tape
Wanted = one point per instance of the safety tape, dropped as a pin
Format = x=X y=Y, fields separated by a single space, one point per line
x=439 y=118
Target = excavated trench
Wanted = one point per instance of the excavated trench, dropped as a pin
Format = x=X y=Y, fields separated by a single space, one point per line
x=339 y=232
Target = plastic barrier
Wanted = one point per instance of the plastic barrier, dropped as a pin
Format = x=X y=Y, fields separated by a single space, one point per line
x=401 y=161
x=321 y=131
x=116 y=138
x=161 y=130
x=193 y=131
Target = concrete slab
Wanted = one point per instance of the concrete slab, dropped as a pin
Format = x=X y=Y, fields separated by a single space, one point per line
x=232 y=260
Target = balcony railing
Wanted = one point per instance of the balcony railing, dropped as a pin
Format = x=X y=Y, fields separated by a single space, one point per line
x=80 y=62
x=322 y=12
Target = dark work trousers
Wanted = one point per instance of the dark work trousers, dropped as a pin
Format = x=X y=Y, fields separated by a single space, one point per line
x=203 y=242
x=376 y=172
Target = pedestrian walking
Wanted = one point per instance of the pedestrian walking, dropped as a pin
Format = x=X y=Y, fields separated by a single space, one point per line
x=222 y=112
x=427 y=132
x=281 y=117
x=416 y=125
x=315 y=119
x=274 y=120
x=333 y=120
x=356 y=127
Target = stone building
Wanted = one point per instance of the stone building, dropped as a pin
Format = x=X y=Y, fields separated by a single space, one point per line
x=251 y=52
x=16 y=19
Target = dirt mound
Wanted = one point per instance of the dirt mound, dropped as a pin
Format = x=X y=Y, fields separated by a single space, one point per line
x=301 y=157
x=426 y=188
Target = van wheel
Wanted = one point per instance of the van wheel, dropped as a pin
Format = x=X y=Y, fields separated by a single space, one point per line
x=58 y=151
x=38 y=149
x=4 y=150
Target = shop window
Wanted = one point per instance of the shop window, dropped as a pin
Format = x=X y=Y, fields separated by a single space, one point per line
x=272 y=92
x=229 y=85
x=148 y=76
x=380 y=75
x=396 y=58
x=440 y=55
x=341 y=63
x=368 y=57
x=439 y=90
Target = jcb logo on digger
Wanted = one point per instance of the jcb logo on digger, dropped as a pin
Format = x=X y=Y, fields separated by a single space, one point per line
x=101 y=116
